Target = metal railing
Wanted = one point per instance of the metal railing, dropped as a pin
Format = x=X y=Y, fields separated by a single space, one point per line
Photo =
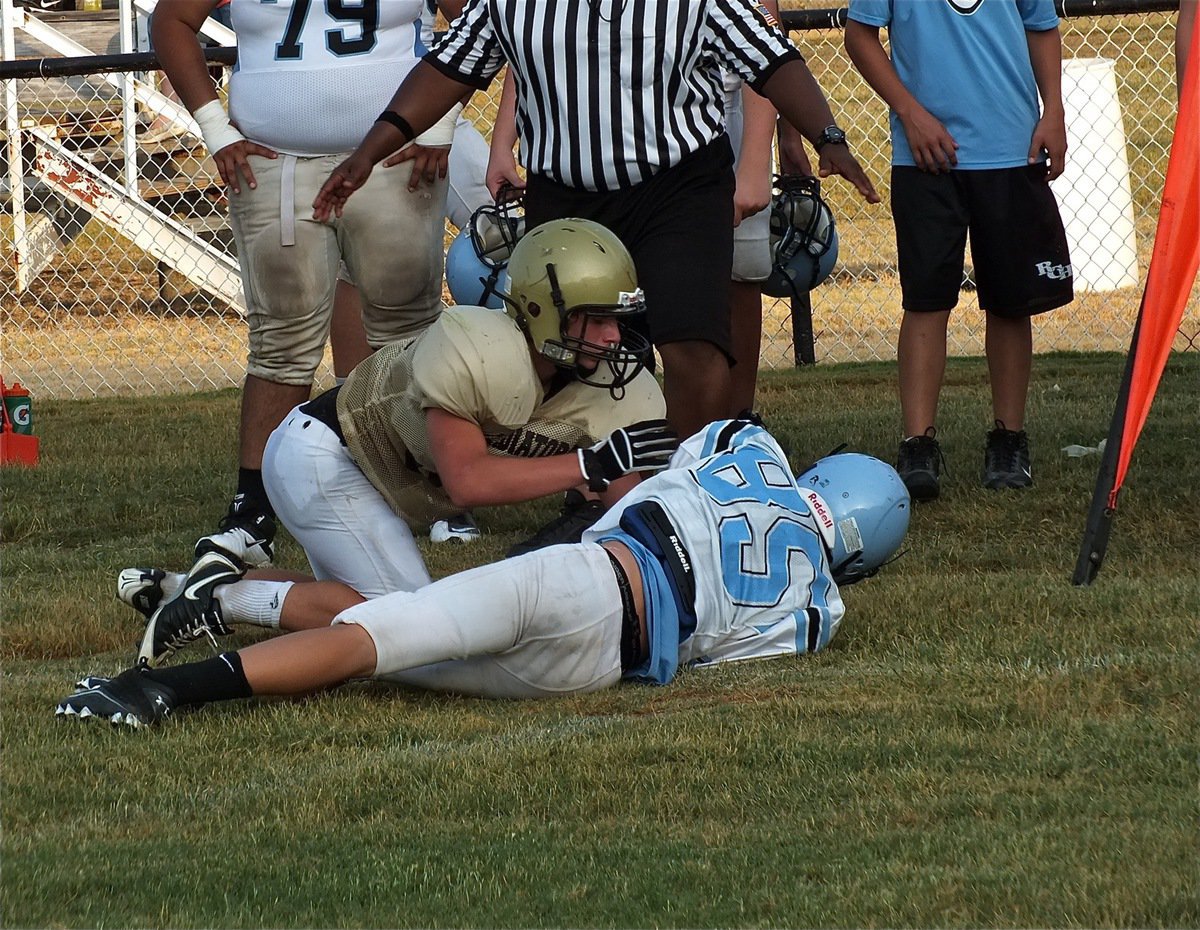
x=122 y=276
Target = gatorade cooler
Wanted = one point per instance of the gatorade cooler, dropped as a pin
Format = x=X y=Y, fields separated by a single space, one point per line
x=18 y=445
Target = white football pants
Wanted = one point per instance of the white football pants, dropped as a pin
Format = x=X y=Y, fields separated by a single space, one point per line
x=347 y=529
x=541 y=625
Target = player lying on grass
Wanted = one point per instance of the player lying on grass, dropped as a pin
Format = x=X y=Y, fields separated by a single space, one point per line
x=724 y=556
x=483 y=408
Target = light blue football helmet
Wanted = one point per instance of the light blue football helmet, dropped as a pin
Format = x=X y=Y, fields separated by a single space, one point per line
x=804 y=239
x=478 y=256
x=862 y=506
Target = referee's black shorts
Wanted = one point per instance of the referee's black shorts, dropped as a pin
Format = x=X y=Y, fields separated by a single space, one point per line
x=678 y=226
x=1018 y=244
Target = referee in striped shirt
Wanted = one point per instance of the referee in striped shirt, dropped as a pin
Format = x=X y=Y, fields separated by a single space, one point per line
x=620 y=120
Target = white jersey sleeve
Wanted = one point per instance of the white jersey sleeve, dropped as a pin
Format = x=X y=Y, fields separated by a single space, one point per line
x=311 y=77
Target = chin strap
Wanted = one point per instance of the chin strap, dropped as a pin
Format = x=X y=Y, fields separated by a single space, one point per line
x=490 y=284
x=844 y=577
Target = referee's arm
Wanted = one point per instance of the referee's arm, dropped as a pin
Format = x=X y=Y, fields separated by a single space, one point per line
x=799 y=99
x=423 y=98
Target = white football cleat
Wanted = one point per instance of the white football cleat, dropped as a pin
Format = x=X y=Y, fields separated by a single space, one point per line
x=141 y=589
x=458 y=529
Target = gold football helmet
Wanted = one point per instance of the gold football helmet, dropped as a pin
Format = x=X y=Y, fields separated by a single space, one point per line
x=570 y=267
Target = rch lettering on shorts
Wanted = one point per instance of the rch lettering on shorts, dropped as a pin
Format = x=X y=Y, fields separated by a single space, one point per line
x=1054 y=272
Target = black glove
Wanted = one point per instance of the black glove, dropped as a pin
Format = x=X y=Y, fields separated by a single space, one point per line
x=645 y=446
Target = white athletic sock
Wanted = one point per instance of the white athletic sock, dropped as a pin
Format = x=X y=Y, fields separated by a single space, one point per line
x=255 y=602
x=171 y=583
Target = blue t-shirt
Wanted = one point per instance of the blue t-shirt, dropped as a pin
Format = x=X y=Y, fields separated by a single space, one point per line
x=967 y=63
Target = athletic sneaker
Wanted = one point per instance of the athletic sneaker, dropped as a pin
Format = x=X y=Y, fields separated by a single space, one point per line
x=132 y=698
x=1006 y=459
x=919 y=465
x=577 y=514
x=193 y=611
x=459 y=529
x=141 y=589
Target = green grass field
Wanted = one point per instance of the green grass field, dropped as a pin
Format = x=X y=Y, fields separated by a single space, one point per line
x=984 y=744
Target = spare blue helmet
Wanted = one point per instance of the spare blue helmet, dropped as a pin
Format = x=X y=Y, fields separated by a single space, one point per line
x=804 y=239
x=477 y=257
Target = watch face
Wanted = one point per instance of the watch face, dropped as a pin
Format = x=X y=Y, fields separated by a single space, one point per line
x=834 y=135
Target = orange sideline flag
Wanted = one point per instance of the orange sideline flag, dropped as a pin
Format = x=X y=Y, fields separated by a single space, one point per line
x=1173 y=265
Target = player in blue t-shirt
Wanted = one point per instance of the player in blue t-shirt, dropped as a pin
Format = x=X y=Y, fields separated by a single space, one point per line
x=971 y=153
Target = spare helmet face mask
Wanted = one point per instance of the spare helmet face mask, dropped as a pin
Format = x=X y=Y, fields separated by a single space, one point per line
x=804 y=241
x=479 y=254
x=495 y=229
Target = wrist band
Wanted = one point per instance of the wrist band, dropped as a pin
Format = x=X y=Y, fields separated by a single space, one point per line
x=395 y=119
x=441 y=133
x=595 y=478
x=215 y=128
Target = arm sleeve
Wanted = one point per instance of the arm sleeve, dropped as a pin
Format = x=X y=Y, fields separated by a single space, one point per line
x=748 y=39
x=871 y=12
x=469 y=52
x=1037 y=15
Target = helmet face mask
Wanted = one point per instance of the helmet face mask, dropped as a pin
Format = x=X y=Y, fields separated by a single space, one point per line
x=862 y=508
x=561 y=276
x=804 y=239
x=607 y=365
x=495 y=229
x=479 y=254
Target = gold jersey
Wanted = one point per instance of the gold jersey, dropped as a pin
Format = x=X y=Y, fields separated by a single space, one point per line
x=475 y=364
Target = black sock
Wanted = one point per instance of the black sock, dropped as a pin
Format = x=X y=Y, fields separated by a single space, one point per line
x=250 y=487
x=217 y=679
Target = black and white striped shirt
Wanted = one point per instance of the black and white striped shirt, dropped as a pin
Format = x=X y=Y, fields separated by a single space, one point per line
x=609 y=92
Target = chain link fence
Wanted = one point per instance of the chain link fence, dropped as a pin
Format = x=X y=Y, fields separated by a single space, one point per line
x=122 y=275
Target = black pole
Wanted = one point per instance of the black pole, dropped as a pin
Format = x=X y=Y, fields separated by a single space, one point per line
x=1100 y=515
x=64 y=66
x=802 y=329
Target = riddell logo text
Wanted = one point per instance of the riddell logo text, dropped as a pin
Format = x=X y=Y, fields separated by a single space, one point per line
x=817 y=506
x=1054 y=272
x=681 y=553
